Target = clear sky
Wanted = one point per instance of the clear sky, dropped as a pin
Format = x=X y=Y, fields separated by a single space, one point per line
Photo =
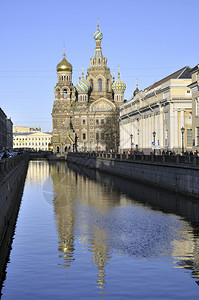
x=148 y=39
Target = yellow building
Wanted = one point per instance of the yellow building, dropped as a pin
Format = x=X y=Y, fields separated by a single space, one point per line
x=156 y=116
x=194 y=86
x=23 y=129
x=34 y=141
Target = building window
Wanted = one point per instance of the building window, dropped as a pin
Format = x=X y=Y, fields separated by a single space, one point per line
x=84 y=136
x=102 y=122
x=102 y=136
x=197 y=107
x=65 y=94
x=91 y=84
x=97 y=122
x=189 y=137
x=197 y=136
x=99 y=85
x=97 y=136
x=83 y=122
x=107 y=84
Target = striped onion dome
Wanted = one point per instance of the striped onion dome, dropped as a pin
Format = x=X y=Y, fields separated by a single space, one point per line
x=98 y=35
x=119 y=86
x=82 y=85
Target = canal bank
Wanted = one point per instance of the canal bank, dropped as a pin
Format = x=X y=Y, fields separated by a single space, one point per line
x=173 y=174
x=12 y=177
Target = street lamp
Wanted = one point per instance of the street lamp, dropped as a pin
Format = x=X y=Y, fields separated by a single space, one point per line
x=154 y=133
x=182 y=131
x=131 y=136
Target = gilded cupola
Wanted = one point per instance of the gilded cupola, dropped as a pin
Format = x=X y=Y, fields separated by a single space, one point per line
x=64 y=65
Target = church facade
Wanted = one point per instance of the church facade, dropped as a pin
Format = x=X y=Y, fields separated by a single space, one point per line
x=80 y=112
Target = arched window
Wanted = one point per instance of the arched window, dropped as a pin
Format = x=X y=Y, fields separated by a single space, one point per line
x=99 y=85
x=57 y=149
x=107 y=84
x=91 y=84
x=65 y=94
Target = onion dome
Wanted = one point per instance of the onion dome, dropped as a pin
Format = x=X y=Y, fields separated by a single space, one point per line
x=82 y=85
x=98 y=34
x=119 y=85
x=64 y=66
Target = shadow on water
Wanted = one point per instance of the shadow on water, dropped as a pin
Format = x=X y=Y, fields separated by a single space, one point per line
x=6 y=245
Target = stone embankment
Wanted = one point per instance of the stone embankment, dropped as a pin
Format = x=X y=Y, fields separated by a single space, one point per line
x=176 y=173
x=12 y=177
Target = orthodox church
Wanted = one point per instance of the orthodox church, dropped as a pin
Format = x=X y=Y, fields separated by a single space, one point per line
x=79 y=112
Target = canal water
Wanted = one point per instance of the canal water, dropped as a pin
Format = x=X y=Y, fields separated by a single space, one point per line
x=81 y=234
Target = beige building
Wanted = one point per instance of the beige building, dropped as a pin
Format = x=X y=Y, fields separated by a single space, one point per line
x=34 y=141
x=80 y=112
x=154 y=117
x=194 y=86
x=25 y=129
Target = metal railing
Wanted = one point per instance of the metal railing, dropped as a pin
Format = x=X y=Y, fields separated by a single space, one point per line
x=173 y=159
x=7 y=164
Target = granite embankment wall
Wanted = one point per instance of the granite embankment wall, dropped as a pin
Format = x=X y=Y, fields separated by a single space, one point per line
x=12 y=177
x=179 y=175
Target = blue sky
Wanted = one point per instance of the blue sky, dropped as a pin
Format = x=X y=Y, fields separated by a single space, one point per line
x=148 y=39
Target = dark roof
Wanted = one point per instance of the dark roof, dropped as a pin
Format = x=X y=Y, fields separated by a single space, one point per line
x=195 y=68
x=180 y=74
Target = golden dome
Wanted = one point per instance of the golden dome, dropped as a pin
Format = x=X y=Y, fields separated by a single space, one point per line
x=64 y=66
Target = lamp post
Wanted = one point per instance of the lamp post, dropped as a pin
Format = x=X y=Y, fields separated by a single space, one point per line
x=182 y=131
x=154 y=133
x=131 y=136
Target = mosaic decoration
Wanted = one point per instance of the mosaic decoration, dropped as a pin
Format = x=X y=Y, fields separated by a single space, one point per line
x=119 y=86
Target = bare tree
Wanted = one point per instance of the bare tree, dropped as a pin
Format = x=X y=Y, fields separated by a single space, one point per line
x=110 y=132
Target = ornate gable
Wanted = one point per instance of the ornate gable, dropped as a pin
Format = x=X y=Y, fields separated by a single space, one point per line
x=102 y=104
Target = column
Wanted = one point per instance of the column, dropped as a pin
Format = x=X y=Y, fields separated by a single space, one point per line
x=176 y=129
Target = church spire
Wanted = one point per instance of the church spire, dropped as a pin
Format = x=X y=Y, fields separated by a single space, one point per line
x=137 y=89
x=98 y=59
x=64 y=54
x=118 y=71
x=82 y=72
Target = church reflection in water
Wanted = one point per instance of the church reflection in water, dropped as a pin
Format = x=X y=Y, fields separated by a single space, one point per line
x=84 y=198
x=73 y=192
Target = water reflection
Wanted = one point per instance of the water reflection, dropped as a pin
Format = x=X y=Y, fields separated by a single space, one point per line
x=106 y=213
x=182 y=242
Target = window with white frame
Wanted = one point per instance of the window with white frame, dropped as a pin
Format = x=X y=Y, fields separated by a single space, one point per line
x=197 y=136
x=197 y=107
x=189 y=137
